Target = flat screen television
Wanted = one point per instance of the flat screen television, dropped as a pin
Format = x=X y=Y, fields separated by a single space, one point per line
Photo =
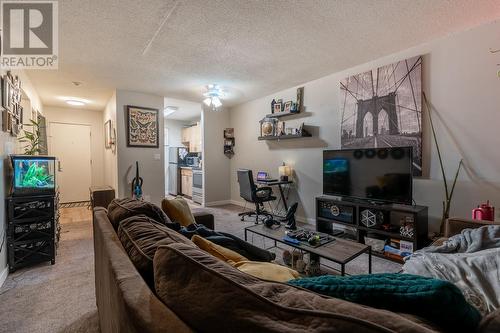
x=374 y=174
x=33 y=175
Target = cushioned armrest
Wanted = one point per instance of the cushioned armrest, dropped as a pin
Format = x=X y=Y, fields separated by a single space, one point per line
x=203 y=217
x=455 y=225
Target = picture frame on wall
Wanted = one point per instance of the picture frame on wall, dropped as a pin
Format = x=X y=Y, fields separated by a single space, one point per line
x=288 y=107
x=142 y=127
x=7 y=94
x=108 y=136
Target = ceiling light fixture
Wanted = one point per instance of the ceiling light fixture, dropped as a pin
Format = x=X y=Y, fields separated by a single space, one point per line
x=74 y=102
x=169 y=110
x=213 y=96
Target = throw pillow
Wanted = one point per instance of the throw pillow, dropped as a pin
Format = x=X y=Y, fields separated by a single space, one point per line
x=178 y=211
x=120 y=209
x=216 y=297
x=141 y=236
x=217 y=251
x=267 y=271
x=436 y=300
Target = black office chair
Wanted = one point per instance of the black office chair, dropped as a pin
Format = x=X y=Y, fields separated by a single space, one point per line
x=256 y=195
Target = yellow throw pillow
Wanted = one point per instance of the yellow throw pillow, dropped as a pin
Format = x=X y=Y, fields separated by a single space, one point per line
x=178 y=211
x=218 y=251
x=267 y=271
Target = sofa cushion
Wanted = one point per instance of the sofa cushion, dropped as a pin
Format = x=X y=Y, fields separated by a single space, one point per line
x=218 y=297
x=120 y=209
x=178 y=210
x=217 y=251
x=140 y=236
x=267 y=270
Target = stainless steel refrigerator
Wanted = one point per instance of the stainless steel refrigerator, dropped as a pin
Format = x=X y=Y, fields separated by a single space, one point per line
x=176 y=159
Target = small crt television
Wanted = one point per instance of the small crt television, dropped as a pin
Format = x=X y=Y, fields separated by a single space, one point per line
x=33 y=175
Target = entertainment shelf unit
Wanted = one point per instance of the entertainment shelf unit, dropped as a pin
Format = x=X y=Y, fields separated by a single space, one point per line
x=331 y=211
x=32 y=229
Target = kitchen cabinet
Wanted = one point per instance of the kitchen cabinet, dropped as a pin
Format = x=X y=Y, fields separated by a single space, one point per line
x=191 y=137
x=187 y=182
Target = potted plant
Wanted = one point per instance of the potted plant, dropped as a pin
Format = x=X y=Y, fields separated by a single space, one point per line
x=448 y=191
x=32 y=139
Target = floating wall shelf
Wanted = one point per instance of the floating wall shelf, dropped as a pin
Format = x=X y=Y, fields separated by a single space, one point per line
x=304 y=134
x=284 y=114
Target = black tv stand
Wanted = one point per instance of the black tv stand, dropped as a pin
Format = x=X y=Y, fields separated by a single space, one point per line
x=374 y=222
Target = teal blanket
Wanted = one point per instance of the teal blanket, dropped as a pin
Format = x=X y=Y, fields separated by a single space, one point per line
x=436 y=300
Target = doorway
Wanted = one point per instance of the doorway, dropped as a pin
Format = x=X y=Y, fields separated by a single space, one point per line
x=70 y=144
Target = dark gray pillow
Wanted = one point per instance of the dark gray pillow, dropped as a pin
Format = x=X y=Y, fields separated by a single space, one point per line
x=141 y=236
x=120 y=209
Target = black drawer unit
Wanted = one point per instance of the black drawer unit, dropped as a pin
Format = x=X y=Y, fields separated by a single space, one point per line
x=31 y=230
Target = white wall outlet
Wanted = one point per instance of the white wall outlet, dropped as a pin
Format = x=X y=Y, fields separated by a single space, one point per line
x=157 y=157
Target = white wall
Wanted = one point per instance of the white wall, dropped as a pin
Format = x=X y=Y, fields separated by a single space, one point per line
x=7 y=146
x=152 y=169
x=175 y=131
x=459 y=78
x=110 y=161
x=82 y=117
x=216 y=165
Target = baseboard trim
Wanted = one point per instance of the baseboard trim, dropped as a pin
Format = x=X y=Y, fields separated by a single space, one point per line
x=217 y=203
x=3 y=276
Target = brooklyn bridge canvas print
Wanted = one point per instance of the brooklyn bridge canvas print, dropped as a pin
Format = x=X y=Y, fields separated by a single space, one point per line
x=383 y=108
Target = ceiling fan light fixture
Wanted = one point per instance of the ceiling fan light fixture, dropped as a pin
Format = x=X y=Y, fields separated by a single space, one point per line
x=213 y=96
x=216 y=102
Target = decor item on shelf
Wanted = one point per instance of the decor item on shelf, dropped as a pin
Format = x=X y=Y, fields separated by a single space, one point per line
x=33 y=139
x=484 y=212
x=267 y=127
x=300 y=100
x=448 y=192
x=368 y=218
x=284 y=171
x=229 y=141
x=388 y=111
x=272 y=105
x=280 y=128
x=278 y=106
x=287 y=106
x=109 y=135
x=142 y=127
x=212 y=96
x=407 y=230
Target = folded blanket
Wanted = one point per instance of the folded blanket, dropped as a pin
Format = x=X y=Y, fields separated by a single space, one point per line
x=469 y=240
x=438 y=301
x=476 y=274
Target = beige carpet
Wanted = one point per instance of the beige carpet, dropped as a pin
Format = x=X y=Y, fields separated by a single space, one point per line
x=61 y=297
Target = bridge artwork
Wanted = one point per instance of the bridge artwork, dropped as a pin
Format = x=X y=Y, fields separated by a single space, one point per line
x=383 y=108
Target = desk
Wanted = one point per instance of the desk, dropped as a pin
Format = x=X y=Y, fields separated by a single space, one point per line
x=280 y=184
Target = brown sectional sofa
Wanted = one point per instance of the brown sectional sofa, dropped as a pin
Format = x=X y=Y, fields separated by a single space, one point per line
x=126 y=303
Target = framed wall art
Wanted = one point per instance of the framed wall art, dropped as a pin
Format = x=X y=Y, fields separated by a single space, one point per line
x=383 y=108
x=142 y=127
x=109 y=137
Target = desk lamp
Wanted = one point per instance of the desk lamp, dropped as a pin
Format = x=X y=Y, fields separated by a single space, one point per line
x=285 y=171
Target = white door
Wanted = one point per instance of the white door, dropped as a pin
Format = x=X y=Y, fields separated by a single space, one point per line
x=70 y=144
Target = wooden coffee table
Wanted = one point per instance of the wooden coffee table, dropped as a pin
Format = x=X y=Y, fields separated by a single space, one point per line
x=339 y=250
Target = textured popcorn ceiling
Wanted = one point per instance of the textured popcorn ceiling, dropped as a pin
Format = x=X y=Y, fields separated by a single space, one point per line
x=253 y=48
